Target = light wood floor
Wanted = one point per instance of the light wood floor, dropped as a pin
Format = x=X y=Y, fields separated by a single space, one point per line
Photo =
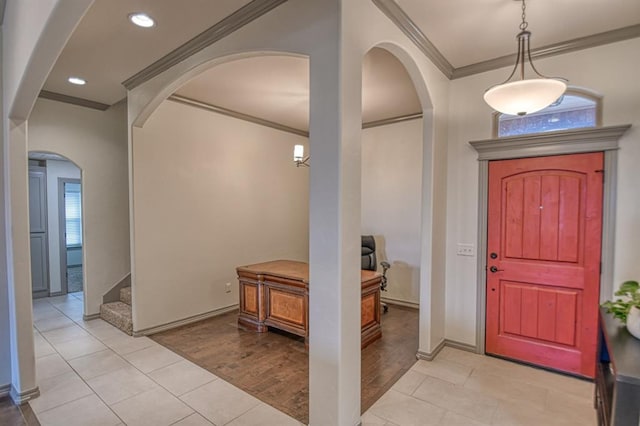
x=274 y=366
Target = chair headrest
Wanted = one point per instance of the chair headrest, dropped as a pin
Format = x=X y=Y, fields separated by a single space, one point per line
x=368 y=243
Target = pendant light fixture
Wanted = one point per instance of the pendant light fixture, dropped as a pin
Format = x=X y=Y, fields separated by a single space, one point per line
x=524 y=96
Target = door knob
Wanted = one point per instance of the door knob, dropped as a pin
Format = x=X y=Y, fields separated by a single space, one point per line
x=494 y=269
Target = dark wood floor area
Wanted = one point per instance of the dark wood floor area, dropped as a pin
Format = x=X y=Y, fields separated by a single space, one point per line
x=274 y=366
x=14 y=415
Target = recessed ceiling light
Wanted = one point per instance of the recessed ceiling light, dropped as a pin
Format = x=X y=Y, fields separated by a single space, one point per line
x=77 y=81
x=142 y=20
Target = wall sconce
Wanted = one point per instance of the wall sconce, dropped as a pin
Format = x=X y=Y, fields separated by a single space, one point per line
x=298 y=156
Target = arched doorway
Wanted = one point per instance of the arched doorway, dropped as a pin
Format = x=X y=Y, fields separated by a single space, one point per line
x=392 y=163
x=57 y=256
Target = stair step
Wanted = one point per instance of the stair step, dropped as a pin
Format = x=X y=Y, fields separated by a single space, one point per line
x=119 y=315
x=125 y=295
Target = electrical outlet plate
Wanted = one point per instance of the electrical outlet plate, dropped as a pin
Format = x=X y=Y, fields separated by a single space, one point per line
x=465 y=250
x=227 y=288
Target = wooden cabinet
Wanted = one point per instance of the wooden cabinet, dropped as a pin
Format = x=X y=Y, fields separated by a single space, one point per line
x=617 y=390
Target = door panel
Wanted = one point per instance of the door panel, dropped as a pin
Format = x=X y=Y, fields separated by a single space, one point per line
x=37 y=199
x=542 y=289
x=539 y=312
x=38 y=231
x=39 y=271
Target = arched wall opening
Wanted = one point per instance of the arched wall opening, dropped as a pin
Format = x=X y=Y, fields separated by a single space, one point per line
x=431 y=280
x=421 y=276
x=96 y=142
x=57 y=244
x=392 y=145
x=165 y=197
x=392 y=169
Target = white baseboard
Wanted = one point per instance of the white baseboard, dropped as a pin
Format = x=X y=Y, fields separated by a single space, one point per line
x=90 y=317
x=429 y=356
x=462 y=346
x=185 y=321
x=399 y=302
x=22 y=397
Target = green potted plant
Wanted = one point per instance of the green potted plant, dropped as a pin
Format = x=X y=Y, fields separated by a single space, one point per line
x=627 y=308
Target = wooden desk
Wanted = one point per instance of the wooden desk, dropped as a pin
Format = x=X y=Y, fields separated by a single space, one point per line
x=276 y=294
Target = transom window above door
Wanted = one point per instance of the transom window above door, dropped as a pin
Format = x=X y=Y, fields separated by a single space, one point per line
x=575 y=110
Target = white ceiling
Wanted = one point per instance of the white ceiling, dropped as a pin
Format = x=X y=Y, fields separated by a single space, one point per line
x=106 y=49
x=276 y=88
x=471 y=31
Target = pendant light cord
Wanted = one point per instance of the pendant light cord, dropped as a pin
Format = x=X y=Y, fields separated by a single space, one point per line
x=524 y=24
x=524 y=51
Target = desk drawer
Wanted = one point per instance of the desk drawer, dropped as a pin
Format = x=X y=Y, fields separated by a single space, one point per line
x=287 y=309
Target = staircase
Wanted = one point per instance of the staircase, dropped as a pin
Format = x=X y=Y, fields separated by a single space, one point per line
x=118 y=314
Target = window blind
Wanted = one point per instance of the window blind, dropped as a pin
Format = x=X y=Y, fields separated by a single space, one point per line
x=73 y=215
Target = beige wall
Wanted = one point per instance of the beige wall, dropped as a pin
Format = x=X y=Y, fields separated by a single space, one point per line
x=96 y=141
x=392 y=202
x=610 y=70
x=210 y=193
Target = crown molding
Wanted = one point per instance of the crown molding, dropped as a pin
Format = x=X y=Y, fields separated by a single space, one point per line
x=398 y=16
x=223 y=28
x=272 y=124
x=411 y=30
x=561 y=48
x=45 y=94
x=235 y=114
x=391 y=120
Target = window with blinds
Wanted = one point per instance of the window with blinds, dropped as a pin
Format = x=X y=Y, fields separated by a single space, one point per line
x=73 y=213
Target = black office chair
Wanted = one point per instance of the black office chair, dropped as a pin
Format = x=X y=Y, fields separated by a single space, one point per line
x=369 y=263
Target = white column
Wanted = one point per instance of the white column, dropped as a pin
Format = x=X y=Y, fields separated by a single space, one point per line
x=5 y=339
x=23 y=375
x=334 y=295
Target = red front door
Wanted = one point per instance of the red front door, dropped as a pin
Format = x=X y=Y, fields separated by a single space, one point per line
x=543 y=260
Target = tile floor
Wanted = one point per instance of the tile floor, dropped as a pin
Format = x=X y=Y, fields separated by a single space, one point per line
x=90 y=373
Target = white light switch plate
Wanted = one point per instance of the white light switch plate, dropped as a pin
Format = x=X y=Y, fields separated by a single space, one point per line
x=465 y=250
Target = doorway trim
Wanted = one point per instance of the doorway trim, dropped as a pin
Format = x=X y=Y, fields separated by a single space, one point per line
x=603 y=139
x=62 y=226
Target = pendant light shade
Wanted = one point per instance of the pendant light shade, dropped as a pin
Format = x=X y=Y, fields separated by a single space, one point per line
x=524 y=96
